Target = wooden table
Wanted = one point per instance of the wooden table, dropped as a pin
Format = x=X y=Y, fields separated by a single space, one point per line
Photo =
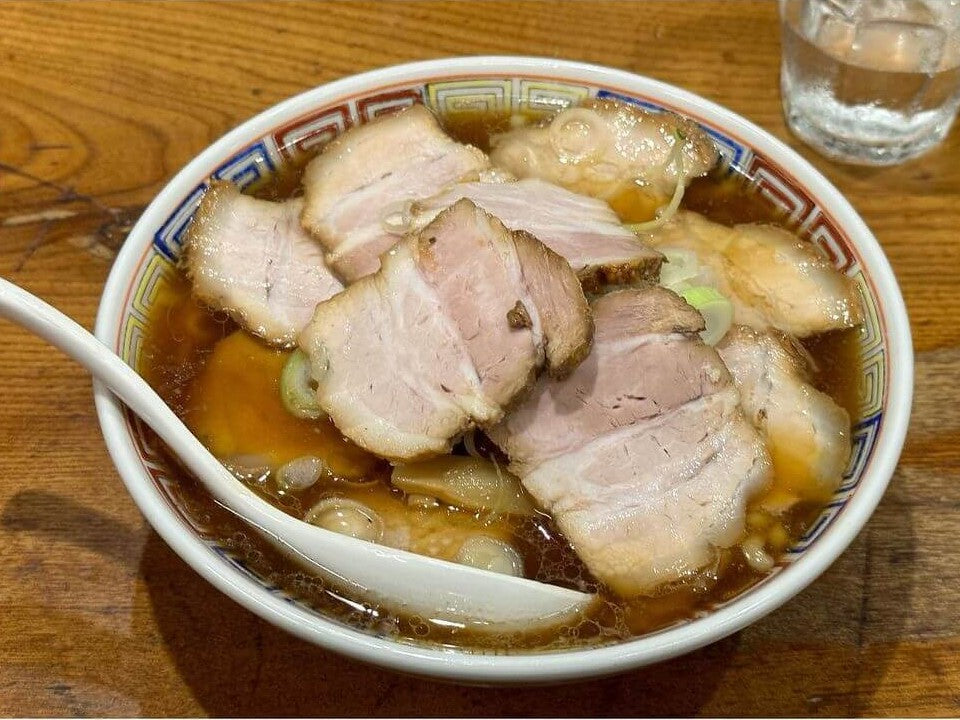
x=101 y=103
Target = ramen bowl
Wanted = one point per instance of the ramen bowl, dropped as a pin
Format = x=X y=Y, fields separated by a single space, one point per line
x=260 y=147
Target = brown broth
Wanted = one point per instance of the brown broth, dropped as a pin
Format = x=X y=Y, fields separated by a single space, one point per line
x=196 y=360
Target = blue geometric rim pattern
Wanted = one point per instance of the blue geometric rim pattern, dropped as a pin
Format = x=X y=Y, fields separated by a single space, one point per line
x=258 y=161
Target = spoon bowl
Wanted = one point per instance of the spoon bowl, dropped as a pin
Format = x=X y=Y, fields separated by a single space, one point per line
x=401 y=581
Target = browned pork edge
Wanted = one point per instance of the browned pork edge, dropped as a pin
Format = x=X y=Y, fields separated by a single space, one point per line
x=595 y=278
x=566 y=343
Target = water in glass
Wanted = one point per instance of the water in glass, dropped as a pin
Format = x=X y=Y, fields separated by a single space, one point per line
x=871 y=81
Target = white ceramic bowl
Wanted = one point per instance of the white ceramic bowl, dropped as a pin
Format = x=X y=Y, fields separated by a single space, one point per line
x=260 y=145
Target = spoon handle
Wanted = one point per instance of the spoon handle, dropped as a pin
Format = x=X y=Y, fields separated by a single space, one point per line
x=399 y=579
x=62 y=332
x=123 y=381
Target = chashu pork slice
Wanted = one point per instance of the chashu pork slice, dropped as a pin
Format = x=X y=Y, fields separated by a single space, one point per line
x=451 y=330
x=807 y=433
x=581 y=229
x=369 y=174
x=773 y=278
x=642 y=455
x=252 y=259
x=602 y=147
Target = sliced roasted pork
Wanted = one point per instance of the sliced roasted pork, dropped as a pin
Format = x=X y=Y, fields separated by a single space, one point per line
x=602 y=147
x=774 y=279
x=642 y=455
x=807 y=433
x=367 y=176
x=252 y=259
x=583 y=230
x=450 y=331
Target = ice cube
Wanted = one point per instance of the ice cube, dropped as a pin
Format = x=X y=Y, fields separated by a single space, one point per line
x=898 y=46
x=848 y=9
x=813 y=13
x=829 y=24
x=836 y=36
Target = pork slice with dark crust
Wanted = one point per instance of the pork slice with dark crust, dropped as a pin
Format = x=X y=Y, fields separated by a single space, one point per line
x=470 y=261
x=369 y=174
x=565 y=319
x=452 y=330
x=642 y=455
x=253 y=260
x=583 y=230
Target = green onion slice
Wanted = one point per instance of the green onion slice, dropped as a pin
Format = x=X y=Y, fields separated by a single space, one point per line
x=298 y=390
x=716 y=309
x=679 y=266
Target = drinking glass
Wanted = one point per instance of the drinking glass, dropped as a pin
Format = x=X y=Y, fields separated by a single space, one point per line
x=870 y=82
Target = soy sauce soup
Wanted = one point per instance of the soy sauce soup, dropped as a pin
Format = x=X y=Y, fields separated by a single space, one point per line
x=224 y=384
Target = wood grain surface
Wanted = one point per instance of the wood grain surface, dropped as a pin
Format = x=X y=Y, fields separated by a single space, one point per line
x=101 y=103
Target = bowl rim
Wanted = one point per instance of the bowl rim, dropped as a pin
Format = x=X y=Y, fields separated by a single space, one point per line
x=552 y=666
